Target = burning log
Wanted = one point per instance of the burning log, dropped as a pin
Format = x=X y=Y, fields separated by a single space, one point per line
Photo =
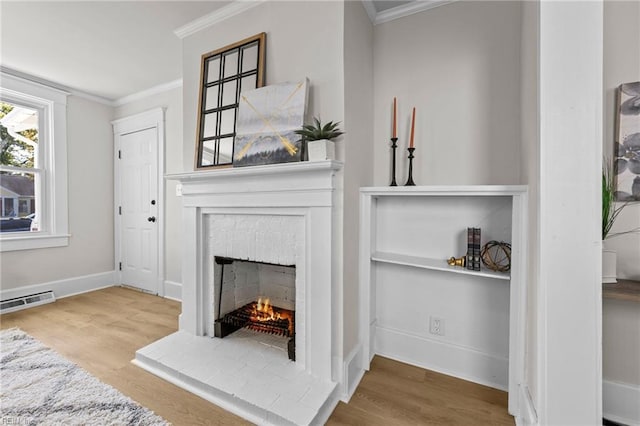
x=263 y=317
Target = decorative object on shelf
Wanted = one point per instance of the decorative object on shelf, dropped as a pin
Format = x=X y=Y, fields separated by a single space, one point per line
x=627 y=142
x=457 y=261
x=473 y=249
x=225 y=74
x=319 y=139
x=411 y=149
x=470 y=248
x=410 y=178
x=496 y=255
x=476 y=249
x=267 y=121
x=394 y=145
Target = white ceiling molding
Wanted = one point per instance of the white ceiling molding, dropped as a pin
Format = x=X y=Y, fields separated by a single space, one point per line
x=402 y=10
x=370 y=9
x=216 y=16
x=50 y=84
x=148 y=92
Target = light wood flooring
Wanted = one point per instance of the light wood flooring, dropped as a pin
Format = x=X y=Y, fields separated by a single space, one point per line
x=101 y=330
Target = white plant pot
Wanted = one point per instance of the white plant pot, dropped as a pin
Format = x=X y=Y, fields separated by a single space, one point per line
x=609 y=259
x=321 y=150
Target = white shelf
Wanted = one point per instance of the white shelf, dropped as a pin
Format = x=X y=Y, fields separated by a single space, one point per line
x=433 y=264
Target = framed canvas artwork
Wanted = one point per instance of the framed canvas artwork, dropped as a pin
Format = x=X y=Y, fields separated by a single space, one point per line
x=267 y=120
x=627 y=142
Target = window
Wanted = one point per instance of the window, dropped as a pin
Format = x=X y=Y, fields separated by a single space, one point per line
x=33 y=175
x=226 y=73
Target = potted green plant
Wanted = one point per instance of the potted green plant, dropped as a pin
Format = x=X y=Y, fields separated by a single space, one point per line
x=610 y=212
x=319 y=139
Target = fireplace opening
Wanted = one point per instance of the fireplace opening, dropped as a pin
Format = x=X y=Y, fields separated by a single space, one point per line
x=251 y=297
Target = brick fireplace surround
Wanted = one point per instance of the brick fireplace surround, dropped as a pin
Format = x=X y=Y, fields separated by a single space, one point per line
x=279 y=214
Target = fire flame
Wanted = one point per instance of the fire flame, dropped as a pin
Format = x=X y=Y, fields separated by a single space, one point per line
x=264 y=311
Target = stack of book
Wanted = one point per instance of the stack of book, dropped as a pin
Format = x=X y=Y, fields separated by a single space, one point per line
x=473 y=249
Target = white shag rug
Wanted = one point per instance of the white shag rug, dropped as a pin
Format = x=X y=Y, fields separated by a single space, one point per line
x=40 y=387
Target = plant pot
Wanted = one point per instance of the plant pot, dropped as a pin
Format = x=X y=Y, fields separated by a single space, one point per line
x=609 y=259
x=321 y=150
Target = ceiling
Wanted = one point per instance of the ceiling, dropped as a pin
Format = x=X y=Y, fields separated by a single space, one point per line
x=108 y=49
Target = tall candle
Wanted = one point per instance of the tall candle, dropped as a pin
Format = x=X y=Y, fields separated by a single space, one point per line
x=413 y=126
x=395 y=135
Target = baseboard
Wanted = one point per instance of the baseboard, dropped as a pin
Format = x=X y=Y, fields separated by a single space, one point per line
x=443 y=357
x=527 y=415
x=173 y=290
x=352 y=373
x=66 y=287
x=620 y=402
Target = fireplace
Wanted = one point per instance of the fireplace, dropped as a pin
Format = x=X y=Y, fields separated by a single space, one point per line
x=280 y=219
x=256 y=296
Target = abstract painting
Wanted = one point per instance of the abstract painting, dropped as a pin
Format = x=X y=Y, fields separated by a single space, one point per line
x=627 y=143
x=267 y=120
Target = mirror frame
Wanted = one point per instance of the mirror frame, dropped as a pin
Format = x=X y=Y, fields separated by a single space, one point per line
x=258 y=71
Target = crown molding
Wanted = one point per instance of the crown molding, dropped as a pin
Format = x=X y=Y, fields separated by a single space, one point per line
x=148 y=92
x=370 y=9
x=402 y=10
x=216 y=16
x=60 y=87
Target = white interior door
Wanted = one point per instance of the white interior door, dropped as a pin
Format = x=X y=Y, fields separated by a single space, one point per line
x=139 y=209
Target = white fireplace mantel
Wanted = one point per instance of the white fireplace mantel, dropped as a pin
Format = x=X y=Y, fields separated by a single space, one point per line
x=261 y=213
x=289 y=184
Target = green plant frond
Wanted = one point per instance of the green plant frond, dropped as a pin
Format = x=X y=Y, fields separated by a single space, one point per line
x=317 y=131
x=609 y=210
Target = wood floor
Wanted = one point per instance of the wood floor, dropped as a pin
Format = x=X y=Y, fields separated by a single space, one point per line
x=101 y=330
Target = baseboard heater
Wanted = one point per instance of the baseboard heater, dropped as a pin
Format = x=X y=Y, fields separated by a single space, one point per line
x=17 y=303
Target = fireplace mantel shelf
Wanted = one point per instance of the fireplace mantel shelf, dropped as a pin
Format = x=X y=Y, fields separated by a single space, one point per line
x=257 y=171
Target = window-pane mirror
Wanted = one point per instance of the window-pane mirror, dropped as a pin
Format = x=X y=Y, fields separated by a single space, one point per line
x=225 y=73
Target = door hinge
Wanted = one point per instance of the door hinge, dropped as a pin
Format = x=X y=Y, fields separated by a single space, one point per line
x=119 y=155
x=120 y=210
x=120 y=266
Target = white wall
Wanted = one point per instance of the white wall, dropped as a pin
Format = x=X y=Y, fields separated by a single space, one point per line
x=459 y=65
x=569 y=250
x=90 y=193
x=358 y=150
x=529 y=160
x=304 y=39
x=171 y=101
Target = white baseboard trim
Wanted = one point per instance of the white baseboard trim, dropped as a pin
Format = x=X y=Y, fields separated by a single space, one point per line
x=66 y=287
x=620 y=402
x=453 y=360
x=352 y=373
x=173 y=290
x=528 y=414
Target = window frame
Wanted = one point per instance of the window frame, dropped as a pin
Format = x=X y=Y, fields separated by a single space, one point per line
x=220 y=106
x=51 y=165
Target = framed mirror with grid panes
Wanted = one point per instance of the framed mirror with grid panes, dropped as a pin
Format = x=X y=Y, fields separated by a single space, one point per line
x=225 y=73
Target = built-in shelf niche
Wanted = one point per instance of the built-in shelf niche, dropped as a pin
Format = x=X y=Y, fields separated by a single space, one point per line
x=407 y=235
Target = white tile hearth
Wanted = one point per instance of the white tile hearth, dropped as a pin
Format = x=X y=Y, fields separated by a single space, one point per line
x=246 y=372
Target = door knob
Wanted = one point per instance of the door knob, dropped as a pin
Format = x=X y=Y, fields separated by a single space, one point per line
x=151 y=219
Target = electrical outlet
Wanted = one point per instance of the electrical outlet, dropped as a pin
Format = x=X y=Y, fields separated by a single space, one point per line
x=436 y=326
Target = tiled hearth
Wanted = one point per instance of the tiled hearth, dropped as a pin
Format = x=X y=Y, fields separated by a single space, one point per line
x=279 y=215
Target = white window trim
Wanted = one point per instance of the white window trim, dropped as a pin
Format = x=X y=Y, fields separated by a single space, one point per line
x=53 y=212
